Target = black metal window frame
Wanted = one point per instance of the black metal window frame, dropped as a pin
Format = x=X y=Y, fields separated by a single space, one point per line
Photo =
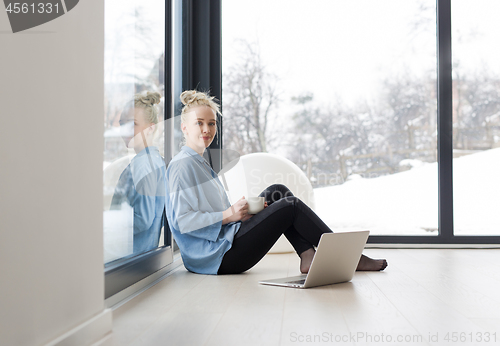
x=445 y=146
x=202 y=58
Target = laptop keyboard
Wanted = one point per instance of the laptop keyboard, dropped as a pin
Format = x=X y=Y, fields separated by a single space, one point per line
x=297 y=282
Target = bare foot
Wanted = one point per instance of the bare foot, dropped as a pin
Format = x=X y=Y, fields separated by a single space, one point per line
x=306 y=259
x=369 y=264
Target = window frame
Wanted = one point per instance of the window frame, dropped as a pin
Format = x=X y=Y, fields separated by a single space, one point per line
x=445 y=147
x=202 y=59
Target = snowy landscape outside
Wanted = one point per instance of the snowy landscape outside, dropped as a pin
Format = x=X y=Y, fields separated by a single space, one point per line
x=407 y=203
x=347 y=90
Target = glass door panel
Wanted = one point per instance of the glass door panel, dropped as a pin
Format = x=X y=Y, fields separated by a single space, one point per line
x=476 y=116
x=134 y=137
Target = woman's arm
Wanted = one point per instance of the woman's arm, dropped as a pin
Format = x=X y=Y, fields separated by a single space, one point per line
x=190 y=200
x=200 y=224
x=147 y=192
x=237 y=212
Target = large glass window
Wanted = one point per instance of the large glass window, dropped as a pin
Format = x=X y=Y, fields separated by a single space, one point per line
x=134 y=185
x=476 y=116
x=347 y=91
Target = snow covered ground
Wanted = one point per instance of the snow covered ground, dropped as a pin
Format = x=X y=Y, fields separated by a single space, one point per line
x=406 y=203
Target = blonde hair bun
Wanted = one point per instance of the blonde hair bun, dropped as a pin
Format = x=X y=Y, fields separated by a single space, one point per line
x=151 y=98
x=146 y=102
x=189 y=97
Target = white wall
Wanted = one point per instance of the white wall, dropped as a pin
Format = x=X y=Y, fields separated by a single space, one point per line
x=51 y=146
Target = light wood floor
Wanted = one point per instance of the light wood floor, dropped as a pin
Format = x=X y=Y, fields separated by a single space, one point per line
x=423 y=294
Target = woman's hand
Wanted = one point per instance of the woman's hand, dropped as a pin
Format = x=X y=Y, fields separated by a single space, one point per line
x=237 y=212
x=250 y=215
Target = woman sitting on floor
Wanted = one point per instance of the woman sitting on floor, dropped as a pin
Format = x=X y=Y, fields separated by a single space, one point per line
x=215 y=237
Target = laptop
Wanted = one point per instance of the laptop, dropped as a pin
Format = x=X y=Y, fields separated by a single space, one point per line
x=335 y=261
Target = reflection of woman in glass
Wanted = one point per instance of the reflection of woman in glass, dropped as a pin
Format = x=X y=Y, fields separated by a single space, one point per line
x=215 y=237
x=142 y=183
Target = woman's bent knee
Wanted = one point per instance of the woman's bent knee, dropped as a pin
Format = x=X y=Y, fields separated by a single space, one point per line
x=279 y=191
x=290 y=200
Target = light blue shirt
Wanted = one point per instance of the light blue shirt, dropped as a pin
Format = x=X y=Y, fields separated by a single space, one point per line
x=142 y=184
x=195 y=201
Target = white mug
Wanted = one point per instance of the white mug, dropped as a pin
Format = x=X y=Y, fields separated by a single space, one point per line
x=255 y=204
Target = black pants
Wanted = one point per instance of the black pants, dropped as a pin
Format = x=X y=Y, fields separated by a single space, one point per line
x=285 y=214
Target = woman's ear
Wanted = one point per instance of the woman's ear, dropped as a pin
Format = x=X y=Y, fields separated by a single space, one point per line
x=183 y=127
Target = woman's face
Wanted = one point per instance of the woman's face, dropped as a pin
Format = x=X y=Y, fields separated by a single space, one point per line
x=200 y=128
x=143 y=130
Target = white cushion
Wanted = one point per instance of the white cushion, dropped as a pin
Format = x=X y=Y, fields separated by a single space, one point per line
x=254 y=172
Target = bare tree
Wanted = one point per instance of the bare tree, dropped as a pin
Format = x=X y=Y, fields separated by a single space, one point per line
x=364 y=138
x=325 y=134
x=476 y=108
x=410 y=111
x=250 y=96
